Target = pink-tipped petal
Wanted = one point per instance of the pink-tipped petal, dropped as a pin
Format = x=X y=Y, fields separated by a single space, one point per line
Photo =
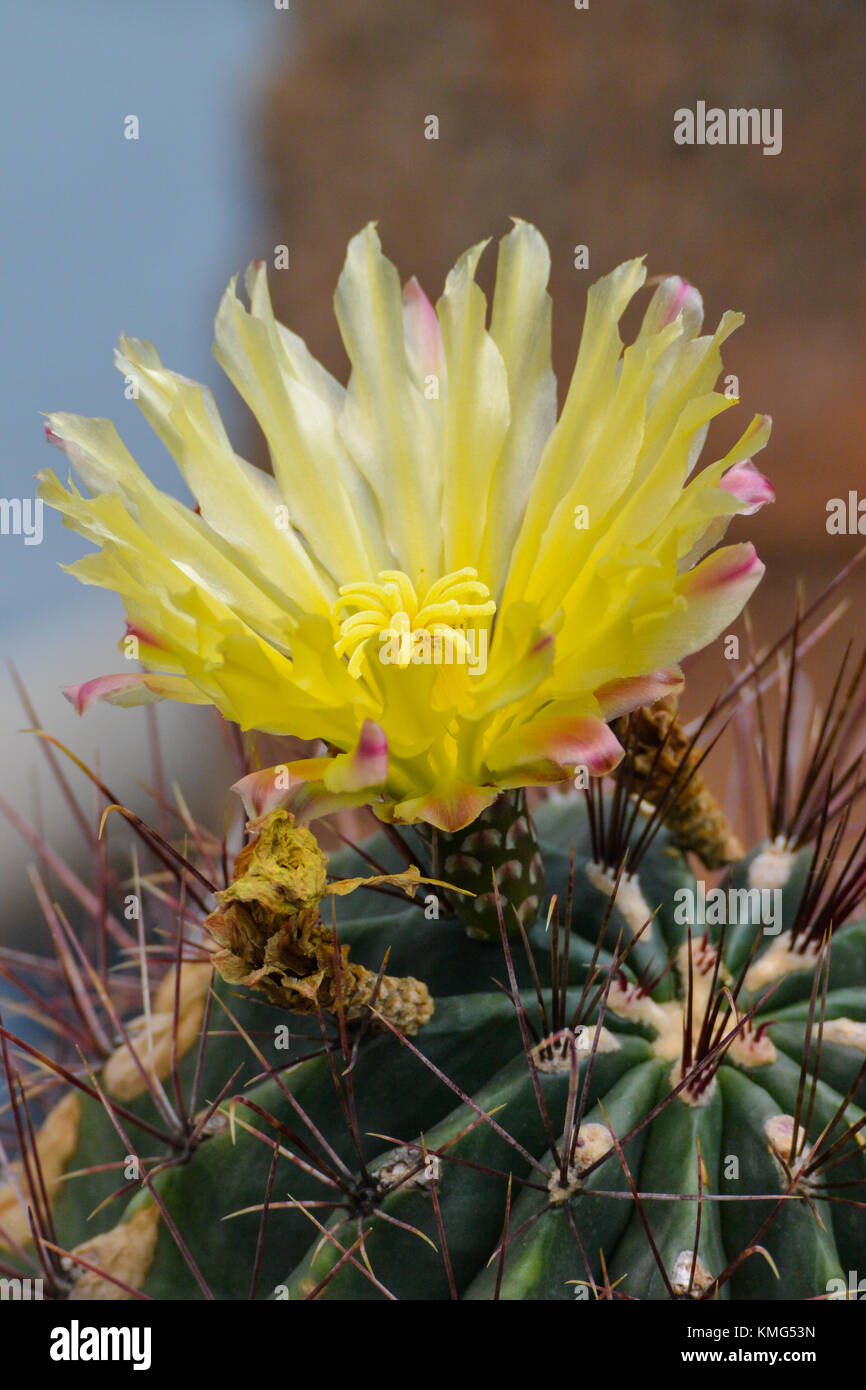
x=675 y=296
x=141 y=688
x=550 y=748
x=73 y=452
x=749 y=486
x=620 y=697
x=735 y=568
x=449 y=808
x=297 y=787
x=92 y=691
x=365 y=766
x=576 y=741
x=108 y=688
x=422 y=330
x=259 y=791
x=270 y=788
x=135 y=630
x=315 y=787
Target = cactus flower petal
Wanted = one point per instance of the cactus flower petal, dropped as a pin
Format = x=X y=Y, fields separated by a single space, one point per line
x=619 y=697
x=132 y=689
x=450 y=586
x=749 y=486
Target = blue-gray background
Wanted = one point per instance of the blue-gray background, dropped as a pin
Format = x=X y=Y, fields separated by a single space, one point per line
x=102 y=235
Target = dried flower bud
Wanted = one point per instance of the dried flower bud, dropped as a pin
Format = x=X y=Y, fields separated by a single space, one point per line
x=269 y=934
x=692 y=813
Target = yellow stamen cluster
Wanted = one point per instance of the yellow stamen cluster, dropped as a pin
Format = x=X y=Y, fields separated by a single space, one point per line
x=391 y=607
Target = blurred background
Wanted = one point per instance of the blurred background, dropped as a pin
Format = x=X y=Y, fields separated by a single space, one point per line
x=263 y=125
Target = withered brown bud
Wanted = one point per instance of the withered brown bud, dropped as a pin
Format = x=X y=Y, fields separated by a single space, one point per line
x=692 y=813
x=269 y=934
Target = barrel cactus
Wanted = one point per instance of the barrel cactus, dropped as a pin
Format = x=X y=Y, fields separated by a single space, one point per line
x=516 y=1044
x=339 y=1089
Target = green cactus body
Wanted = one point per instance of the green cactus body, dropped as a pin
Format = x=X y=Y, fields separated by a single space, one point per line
x=499 y=845
x=476 y=1158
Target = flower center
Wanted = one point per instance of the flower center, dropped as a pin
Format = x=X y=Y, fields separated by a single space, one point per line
x=391 y=609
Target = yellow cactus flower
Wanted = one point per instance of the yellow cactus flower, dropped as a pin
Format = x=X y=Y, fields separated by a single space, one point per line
x=451 y=587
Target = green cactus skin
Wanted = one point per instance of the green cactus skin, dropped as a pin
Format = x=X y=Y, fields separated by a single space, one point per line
x=500 y=843
x=455 y=1126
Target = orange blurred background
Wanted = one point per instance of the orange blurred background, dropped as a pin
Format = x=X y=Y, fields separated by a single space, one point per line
x=565 y=117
